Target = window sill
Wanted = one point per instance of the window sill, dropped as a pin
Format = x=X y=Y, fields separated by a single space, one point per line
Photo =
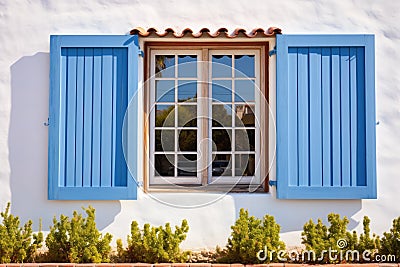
x=204 y=189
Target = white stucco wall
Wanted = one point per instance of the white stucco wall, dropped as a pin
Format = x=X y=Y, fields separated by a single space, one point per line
x=25 y=27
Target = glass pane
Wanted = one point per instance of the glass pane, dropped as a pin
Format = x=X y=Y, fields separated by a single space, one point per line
x=245 y=140
x=165 y=91
x=244 y=91
x=187 y=91
x=165 y=140
x=222 y=115
x=165 y=66
x=222 y=165
x=245 y=165
x=187 y=66
x=221 y=66
x=164 y=165
x=222 y=91
x=244 y=116
x=244 y=66
x=165 y=116
x=187 y=116
x=188 y=140
x=187 y=165
x=221 y=140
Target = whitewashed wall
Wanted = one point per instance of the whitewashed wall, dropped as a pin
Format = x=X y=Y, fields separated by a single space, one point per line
x=25 y=27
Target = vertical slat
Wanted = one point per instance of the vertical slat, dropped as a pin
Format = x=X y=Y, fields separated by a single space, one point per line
x=315 y=117
x=326 y=117
x=353 y=116
x=303 y=123
x=115 y=78
x=97 y=65
x=361 y=141
x=71 y=118
x=336 y=132
x=87 y=118
x=292 y=123
x=63 y=115
x=106 y=117
x=345 y=114
x=80 y=80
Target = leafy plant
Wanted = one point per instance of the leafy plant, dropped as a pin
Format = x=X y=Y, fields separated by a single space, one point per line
x=249 y=236
x=17 y=244
x=390 y=242
x=77 y=240
x=322 y=239
x=154 y=244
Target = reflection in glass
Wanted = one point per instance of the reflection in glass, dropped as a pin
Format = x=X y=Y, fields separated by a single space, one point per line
x=244 y=91
x=164 y=165
x=221 y=140
x=188 y=140
x=244 y=66
x=187 y=91
x=187 y=66
x=245 y=165
x=222 y=66
x=187 y=116
x=165 y=116
x=244 y=116
x=187 y=165
x=165 y=66
x=165 y=91
x=222 y=90
x=245 y=140
x=165 y=140
x=222 y=165
x=221 y=115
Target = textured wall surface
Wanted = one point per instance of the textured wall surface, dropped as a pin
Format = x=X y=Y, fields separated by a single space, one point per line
x=25 y=27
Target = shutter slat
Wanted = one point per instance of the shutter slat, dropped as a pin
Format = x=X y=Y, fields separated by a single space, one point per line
x=71 y=118
x=87 y=118
x=106 y=117
x=325 y=117
x=80 y=80
x=63 y=116
x=315 y=117
x=345 y=115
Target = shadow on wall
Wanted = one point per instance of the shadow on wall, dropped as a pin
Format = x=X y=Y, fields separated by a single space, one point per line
x=27 y=145
x=293 y=214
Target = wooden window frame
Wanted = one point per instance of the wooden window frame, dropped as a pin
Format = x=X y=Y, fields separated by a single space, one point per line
x=263 y=48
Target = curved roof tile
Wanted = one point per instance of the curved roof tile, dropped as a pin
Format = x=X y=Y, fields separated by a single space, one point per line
x=259 y=32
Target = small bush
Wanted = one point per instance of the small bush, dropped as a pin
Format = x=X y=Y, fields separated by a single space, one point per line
x=17 y=244
x=320 y=238
x=154 y=244
x=250 y=235
x=77 y=240
x=390 y=242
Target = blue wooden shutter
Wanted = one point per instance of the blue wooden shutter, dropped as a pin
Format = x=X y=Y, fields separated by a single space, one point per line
x=92 y=79
x=325 y=117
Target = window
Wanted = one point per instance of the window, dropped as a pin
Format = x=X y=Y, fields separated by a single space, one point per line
x=205 y=120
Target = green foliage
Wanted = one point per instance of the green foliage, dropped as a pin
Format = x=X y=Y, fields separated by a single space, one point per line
x=154 y=244
x=17 y=244
x=250 y=235
x=390 y=242
x=319 y=238
x=77 y=240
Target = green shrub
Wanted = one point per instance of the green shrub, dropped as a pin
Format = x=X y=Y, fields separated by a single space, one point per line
x=390 y=242
x=250 y=235
x=77 y=240
x=320 y=239
x=17 y=244
x=154 y=244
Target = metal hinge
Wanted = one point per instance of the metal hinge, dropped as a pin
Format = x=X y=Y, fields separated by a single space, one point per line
x=272 y=183
x=47 y=123
x=141 y=53
x=272 y=52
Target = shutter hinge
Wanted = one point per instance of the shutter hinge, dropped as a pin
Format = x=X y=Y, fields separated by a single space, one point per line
x=272 y=52
x=47 y=123
x=141 y=53
x=272 y=183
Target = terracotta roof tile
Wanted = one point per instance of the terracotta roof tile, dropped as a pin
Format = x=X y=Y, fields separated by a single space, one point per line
x=259 y=32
